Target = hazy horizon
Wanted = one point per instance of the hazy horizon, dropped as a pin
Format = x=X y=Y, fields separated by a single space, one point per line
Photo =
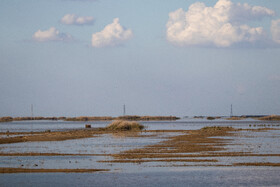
x=181 y=58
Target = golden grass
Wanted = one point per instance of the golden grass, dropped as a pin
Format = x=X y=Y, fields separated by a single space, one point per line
x=51 y=136
x=195 y=141
x=121 y=125
x=236 y=118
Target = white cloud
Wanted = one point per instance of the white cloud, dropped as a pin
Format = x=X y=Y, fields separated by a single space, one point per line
x=220 y=26
x=72 y=19
x=51 y=35
x=275 y=30
x=112 y=35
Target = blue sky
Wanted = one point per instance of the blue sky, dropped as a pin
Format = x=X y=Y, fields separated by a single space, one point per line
x=181 y=57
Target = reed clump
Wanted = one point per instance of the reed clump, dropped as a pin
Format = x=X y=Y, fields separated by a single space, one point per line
x=122 y=125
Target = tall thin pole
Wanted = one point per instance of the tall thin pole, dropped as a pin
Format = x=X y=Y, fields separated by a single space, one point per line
x=124 y=110
x=231 y=111
x=31 y=111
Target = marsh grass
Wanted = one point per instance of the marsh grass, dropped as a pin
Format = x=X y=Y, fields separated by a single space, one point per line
x=6 y=119
x=122 y=125
x=236 y=118
x=217 y=128
x=271 y=117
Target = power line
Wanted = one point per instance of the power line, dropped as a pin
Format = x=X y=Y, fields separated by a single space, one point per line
x=31 y=111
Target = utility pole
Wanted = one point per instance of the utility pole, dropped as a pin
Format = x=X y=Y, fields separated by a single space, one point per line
x=31 y=111
x=124 y=110
x=231 y=111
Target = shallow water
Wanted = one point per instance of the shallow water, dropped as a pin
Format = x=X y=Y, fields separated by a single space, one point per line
x=139 y=174
x=183 y=124
x=210 y=176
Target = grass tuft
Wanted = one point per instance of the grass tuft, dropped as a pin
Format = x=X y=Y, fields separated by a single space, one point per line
x=121 y=125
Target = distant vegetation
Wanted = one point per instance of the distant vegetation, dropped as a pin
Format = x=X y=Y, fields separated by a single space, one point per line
x=211 y=118
x=90 y=118
x=216 y=128
x=198 y=117
x=147 y=118
x=93 y=118
x=271 y=117
x=6 y=119
x=236 y=118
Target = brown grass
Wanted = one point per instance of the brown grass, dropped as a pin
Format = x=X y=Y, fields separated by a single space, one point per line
x=51 y=136
x=93 y=118
x=196 y=141
x=50 y=154
x=257 y=164
x=271 y=117
x=121 y=125
x=147 y=118
x=27 y=170
x=211 y=118
x=159 y=160
x=236 y=118
x=6 y=119
x=90 y=118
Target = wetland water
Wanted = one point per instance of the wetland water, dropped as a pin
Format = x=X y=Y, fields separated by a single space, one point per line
x=259 y=146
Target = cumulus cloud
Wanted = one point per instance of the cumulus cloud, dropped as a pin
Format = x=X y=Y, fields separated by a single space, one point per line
x=51 y=35
x=72 y=19
x=275 y=30
x=112 y=35
x=221 y=25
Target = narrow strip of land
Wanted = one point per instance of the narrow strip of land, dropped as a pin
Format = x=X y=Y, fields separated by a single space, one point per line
x=29 y=170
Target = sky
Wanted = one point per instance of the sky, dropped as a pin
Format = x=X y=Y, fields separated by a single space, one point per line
x=159 y=57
